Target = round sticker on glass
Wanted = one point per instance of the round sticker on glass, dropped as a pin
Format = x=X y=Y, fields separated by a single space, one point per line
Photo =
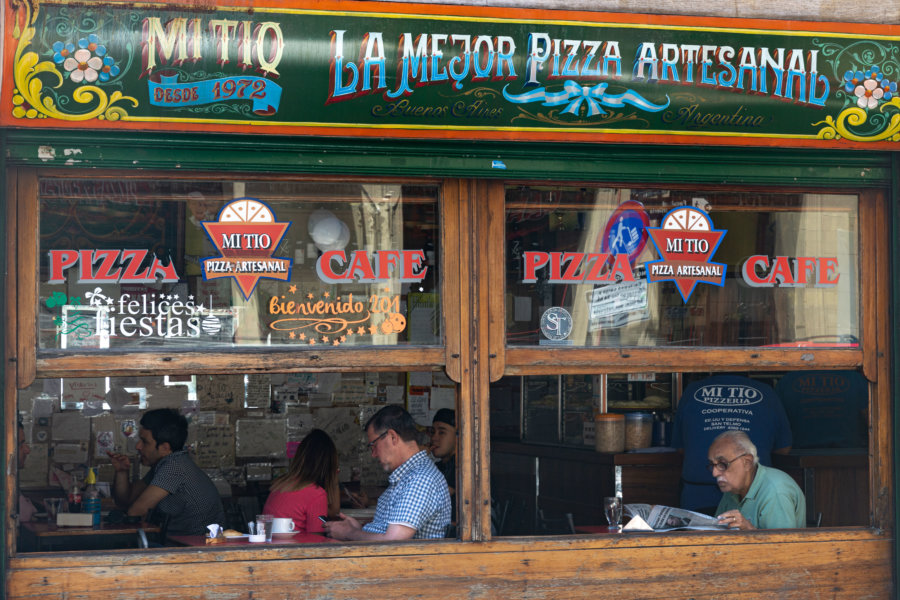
x=556 y=323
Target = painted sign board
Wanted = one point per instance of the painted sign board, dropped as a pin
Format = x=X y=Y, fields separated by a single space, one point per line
x=427 y=71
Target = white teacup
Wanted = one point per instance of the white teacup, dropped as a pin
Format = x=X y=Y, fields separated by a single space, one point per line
x=282 y=525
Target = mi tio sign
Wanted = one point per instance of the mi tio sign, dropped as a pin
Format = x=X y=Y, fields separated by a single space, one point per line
x=686 y=242
x=246 y=235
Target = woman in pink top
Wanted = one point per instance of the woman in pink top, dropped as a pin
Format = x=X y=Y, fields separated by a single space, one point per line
x=309 y=489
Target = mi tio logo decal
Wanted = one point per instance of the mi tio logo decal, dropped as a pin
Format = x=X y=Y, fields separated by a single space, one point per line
x=246 y=235
x=686 y=241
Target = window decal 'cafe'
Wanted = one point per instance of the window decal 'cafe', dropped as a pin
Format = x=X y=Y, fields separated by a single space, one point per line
x=345 y=69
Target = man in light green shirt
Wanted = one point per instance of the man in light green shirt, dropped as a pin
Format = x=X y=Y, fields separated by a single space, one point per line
x=755 y=497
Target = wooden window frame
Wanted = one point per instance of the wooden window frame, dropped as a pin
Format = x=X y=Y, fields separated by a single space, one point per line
x=31 y=363
x=872 y=358
x=474 y=353
x=26 y=364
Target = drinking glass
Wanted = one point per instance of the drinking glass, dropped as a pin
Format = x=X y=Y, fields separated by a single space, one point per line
x=264 y=524
x=612 y=506
x=54 y=506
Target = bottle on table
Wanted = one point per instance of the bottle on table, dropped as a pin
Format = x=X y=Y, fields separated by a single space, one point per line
x=75 y=498
x=92 y=498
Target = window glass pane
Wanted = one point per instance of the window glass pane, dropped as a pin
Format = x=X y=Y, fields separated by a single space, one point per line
x=242 y=432
x=550 y=480
x=169 y=264
x=609 y=267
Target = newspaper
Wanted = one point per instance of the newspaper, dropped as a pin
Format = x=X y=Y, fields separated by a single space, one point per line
x=667 y=518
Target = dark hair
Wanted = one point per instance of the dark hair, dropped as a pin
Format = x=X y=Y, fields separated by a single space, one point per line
x=396 y=418
x=166 y=425
x=316 y=461
x=445 y=415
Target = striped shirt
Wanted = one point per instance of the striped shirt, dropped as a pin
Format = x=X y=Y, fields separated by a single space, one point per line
x=417 y=497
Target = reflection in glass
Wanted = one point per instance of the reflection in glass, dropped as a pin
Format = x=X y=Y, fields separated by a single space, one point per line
x=144 y=264
x=791 y=269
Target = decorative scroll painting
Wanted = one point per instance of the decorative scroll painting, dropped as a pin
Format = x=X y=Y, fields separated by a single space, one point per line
x=350 y=69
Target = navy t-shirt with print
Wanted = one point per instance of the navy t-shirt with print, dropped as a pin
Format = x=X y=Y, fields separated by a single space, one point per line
x=716 y=404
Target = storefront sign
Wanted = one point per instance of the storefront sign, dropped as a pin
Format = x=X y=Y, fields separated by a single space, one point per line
x=382 y=265
x=110 y=266
x=246 y=234
x=123 y=315
x=578 y=267
x=311 y=319
x=686 y=242
x=423 y=71
x=784 y=271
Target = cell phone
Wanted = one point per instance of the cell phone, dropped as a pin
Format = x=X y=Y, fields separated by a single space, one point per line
x=326 y=519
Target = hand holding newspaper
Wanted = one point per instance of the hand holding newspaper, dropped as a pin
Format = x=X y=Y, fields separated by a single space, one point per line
x=646 y=517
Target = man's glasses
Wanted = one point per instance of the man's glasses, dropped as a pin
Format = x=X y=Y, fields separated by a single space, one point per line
x=722 y=465
x=371 y=444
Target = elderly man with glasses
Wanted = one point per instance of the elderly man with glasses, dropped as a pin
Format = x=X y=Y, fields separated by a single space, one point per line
x=754 y=496
x=416 y=503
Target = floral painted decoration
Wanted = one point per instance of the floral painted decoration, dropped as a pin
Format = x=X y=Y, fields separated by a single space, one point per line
x=869 y=87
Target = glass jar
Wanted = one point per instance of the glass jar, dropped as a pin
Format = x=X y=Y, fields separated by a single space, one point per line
x=638 y=430
x=610 y=433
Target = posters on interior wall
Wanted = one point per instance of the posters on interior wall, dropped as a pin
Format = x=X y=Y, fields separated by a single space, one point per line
x=428 y=392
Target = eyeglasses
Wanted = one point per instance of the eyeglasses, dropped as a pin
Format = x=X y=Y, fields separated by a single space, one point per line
x=722 y=465
x=372 y=444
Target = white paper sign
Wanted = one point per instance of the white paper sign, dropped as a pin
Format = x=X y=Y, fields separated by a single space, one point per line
x=70 y=425
x=394 y=394
x=442 y=397
x=84 y=390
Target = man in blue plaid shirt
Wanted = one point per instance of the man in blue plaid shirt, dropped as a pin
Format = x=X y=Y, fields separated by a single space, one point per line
x=416 y=503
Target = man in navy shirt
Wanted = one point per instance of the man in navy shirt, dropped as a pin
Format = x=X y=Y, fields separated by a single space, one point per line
x=721 y=403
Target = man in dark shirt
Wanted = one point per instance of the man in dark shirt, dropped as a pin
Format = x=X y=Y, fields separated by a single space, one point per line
x=175 y=486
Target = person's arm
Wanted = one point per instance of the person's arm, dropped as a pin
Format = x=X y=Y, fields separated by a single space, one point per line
x=349 y=529
x=149 y=498
x=27 y=510
x=124 y=491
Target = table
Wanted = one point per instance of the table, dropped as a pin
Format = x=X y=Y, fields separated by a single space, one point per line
x=42 y=536
x=277 y=540
x=602 y=529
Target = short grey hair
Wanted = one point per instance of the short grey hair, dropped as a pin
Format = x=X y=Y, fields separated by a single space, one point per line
x=741 y=441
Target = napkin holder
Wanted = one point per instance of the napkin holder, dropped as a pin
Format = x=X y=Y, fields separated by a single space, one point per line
x=74 y=519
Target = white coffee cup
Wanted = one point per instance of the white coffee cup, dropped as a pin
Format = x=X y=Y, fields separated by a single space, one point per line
x=282 y=525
